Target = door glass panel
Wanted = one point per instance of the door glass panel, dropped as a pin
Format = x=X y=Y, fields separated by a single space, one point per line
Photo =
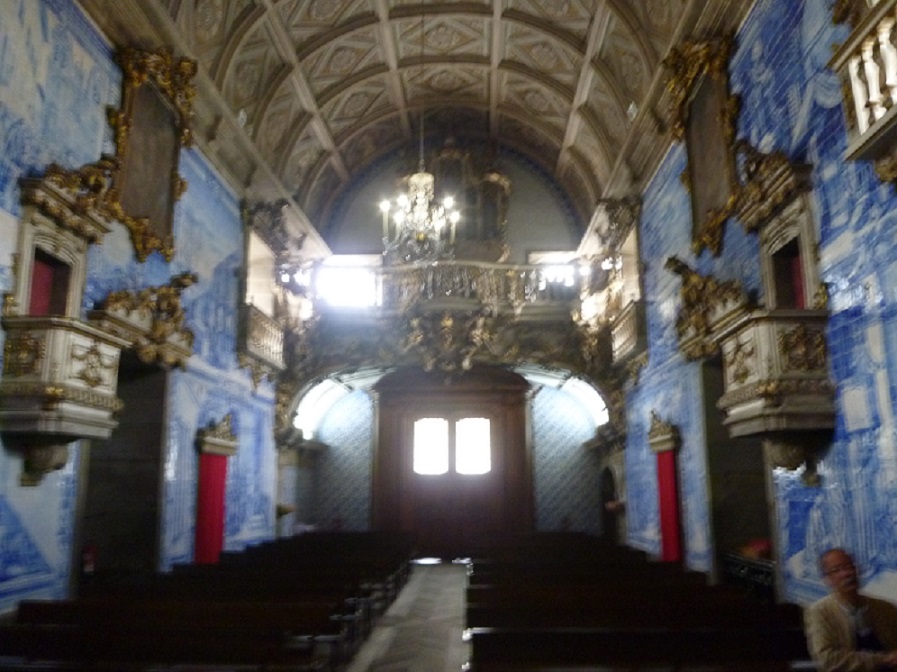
x=431 y=446
x=473 y=453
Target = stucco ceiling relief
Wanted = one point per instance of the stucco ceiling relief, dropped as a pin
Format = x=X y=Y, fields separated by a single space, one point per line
x=574 y=16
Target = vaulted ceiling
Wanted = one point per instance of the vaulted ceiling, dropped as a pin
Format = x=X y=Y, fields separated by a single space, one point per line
x=296 y=98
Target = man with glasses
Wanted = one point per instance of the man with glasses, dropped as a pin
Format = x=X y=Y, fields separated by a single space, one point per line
x=847 y=631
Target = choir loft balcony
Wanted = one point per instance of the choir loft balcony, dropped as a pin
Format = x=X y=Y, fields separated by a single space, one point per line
x=445 y=315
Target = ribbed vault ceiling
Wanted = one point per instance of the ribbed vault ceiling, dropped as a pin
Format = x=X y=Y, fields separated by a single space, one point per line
x=307 y=94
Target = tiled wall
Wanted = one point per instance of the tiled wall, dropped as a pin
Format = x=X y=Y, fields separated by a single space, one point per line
x=566 y=476
x=790 y=102
x=57 y=78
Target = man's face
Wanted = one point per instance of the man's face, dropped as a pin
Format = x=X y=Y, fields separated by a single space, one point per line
x=840 y=573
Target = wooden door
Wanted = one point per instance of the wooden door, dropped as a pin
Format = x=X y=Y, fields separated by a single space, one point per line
x=450 y=511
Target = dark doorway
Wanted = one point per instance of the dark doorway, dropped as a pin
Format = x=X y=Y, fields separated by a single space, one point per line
x=121 y=484
x=610 y=502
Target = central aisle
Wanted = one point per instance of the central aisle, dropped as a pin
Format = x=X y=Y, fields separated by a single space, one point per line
x=421 y=631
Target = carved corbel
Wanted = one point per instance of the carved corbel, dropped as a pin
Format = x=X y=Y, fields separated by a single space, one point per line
x=40 y=460
x=797 y=451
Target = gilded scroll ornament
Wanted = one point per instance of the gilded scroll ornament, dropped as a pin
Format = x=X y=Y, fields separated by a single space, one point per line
x=848 y=11
x=688 y=63
x=218 y=438
x=738 y=361
x=96 y=369
x=701 y=297
x=802 y=349
x=152 y=319
x=448 y=340
x=22 y=354
x=173 y=76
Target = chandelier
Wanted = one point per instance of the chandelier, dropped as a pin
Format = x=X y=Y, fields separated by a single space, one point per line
x=416 y=227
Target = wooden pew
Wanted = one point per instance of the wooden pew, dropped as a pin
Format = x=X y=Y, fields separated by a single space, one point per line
x=300 y=606
x=641 y=648
x=557 y=610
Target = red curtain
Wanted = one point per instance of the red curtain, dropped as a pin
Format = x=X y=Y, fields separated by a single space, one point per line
x=210 y=508
x=668 y=496
x=41 y=287
x=797 y=281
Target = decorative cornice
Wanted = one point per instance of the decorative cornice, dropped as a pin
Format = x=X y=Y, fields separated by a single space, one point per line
x=53 y=395
x=70 y=199
x=770 y=182
x=772 y=391
x=218 y=439
x=662 y=436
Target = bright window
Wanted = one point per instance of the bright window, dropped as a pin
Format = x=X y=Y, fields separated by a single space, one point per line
x=431 y=446
x=473 y=454
x=462 y=446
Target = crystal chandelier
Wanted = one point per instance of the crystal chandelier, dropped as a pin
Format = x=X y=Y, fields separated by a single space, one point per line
x=416 y=228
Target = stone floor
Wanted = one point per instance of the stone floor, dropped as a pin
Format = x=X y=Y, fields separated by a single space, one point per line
x=421 y=631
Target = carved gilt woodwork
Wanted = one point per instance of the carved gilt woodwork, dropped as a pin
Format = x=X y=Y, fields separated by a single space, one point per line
x=707 y=304
x=60 y=377
x=776 y=373
x=710 y=175
x=144 y=178
x=60 y=374
x=768 y=183
x=151 y=321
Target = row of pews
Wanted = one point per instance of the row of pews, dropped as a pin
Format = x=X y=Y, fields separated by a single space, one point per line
x=571 y=603
x=303 y=603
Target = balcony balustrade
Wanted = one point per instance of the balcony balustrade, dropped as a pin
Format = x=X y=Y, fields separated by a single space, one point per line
x=867 y=65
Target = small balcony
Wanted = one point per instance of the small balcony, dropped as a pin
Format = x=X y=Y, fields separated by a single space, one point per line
x=867 y=65
x=776 y=373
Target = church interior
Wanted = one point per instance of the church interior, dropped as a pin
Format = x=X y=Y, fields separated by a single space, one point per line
x=451 y=272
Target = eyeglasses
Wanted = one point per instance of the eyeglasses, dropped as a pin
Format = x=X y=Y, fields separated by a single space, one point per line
x=837 y=569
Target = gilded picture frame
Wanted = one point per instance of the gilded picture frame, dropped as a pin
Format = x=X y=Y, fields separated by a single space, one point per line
x=704 y=117
x=151 y=127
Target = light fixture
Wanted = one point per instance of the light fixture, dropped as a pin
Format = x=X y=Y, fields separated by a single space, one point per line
x=416 y=228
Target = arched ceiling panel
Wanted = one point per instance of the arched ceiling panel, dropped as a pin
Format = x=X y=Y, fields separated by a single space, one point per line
x=532 y=99
x=368 y=99
x=255 y=69
x=537 y=51
x=572 y=16
x=337 y=61
x=321 y=89
x=305 y=20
